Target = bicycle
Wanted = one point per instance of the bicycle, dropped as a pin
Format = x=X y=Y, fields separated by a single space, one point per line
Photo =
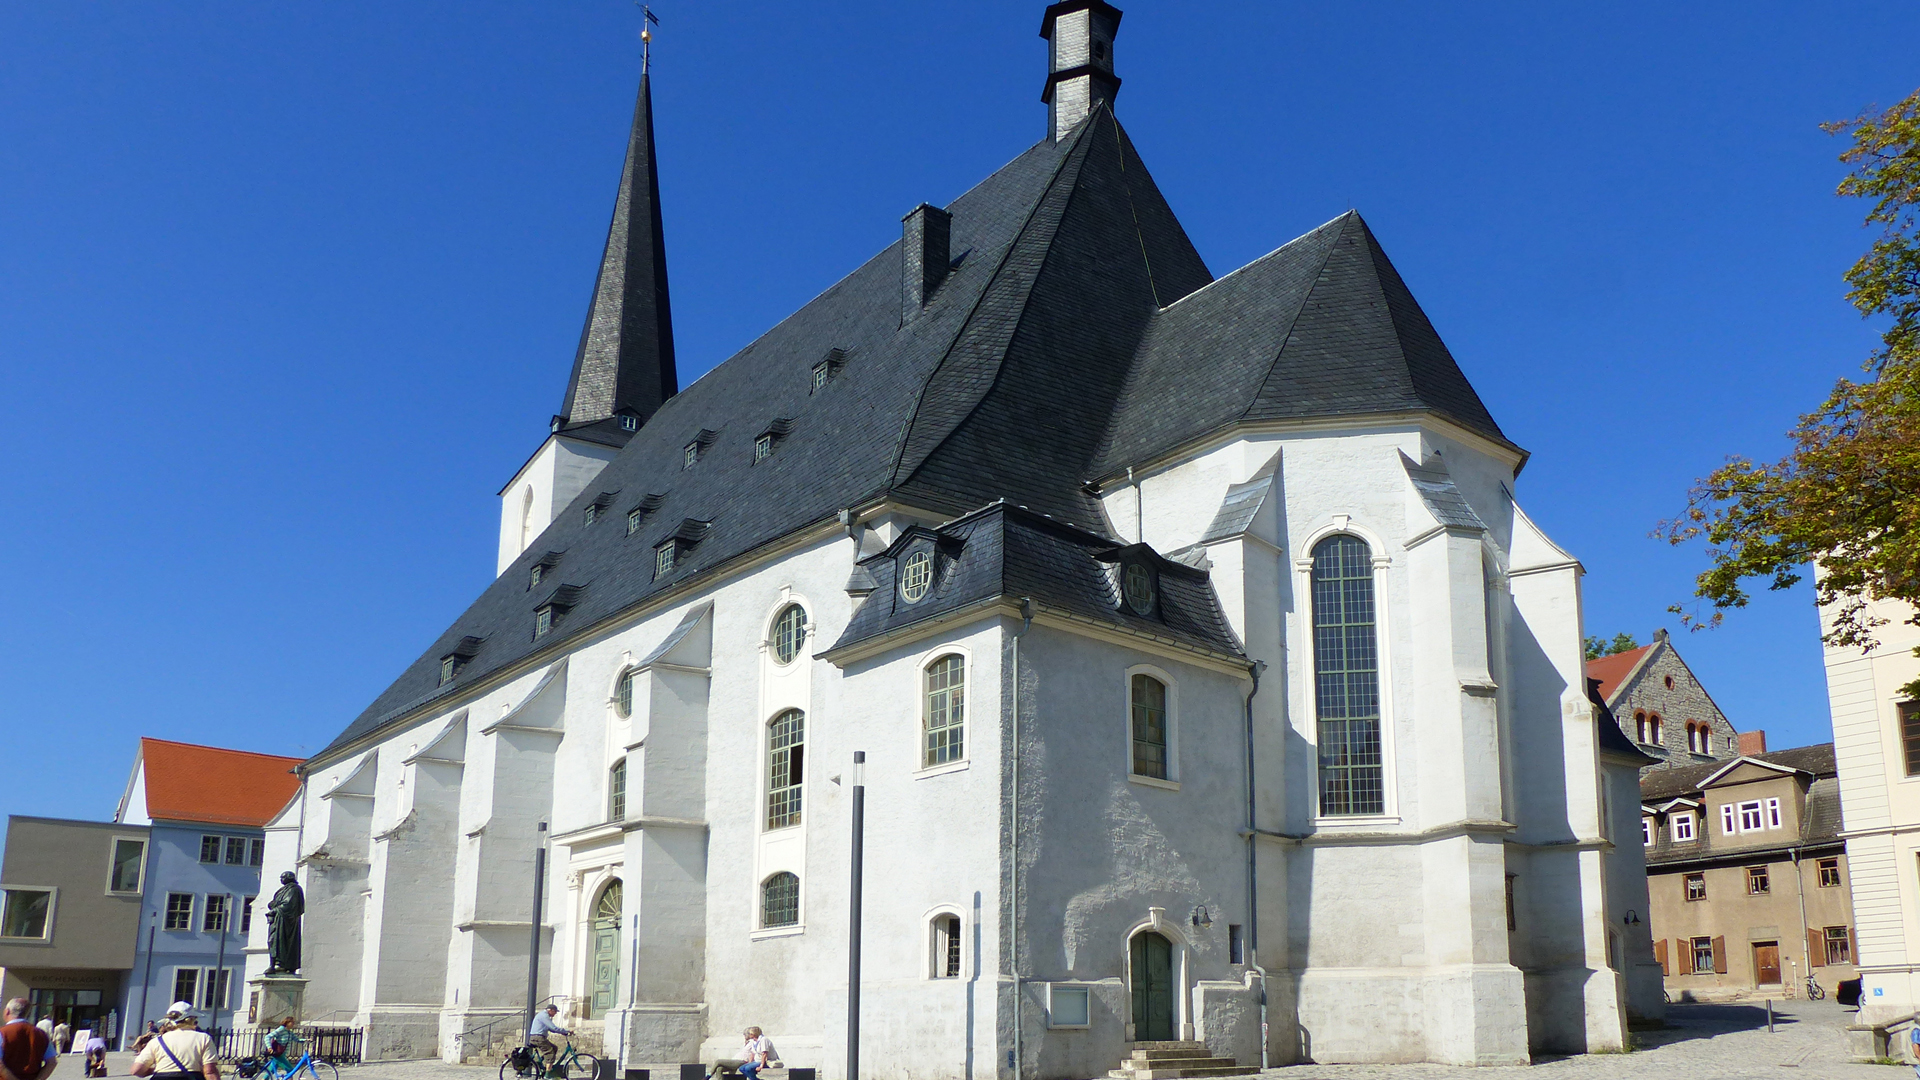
x=523 y=1063
x=1814 y=990
x=267 y=1067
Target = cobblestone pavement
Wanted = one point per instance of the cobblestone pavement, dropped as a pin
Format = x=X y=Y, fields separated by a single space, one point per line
x=1700 y=1042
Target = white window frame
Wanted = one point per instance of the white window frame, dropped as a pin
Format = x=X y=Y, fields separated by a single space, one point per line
x=209 y=976
x=53 y=909
x=1727 y=823
x=799 y=925
x=140 y=877
x=1683 y=827
x=1646 y=832
x=1773 y=813
x=205 y=905
x=1758 y=810
x=1172 y=782
x=218 y=851
x=199 y=983
x=1082 y=991
x=965 y=760
x=1383 y=638
x=934 y=965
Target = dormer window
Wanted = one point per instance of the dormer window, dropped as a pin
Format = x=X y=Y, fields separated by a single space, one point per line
x=916 y=576
x=629 y=422
x=822 y=371
x=1137 y=587
x=593 y=511
x=447 y=665
x=691 y=455
x=762 y=448
x=769 y=438
x=634 y=517
x=542 y=569
x=452 y=664
x=664 y=557
x=598 y=507
x=543 y=620
x=534 y=575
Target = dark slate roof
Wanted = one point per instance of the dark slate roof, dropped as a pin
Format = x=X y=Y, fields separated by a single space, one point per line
x=625 y=359
x=1663 y=784
x=1053 y=331
x=1003 y=551
x=1324 y=326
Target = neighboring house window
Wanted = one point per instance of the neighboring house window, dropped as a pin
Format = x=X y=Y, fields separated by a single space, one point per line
x=179 y=917
x=1758 y=883
x=1653 y=726
x=1752 y=817
x=617 y=791
x=946 y=946
x=1910 y=734
x=210 y=849
x=236 y=851
x=1726 y=819
x=1703 y=956
x=1773 y=813
x=129 y=856
x=789 y=633
x=786 y=747
x=1346 y=679
x=256 y=851
x=780 y=901
x=1696 y=886
x=246 y=914
x=945 y=723
x=1646 y=832
x=186 y=984
x=623 y=694
x=214 y=921
x=1829 y=873
x=1640 y=725
x=1839 y=945
x=1683 y=826
x=26 y=913
x=215 y=986
x=1149 y=727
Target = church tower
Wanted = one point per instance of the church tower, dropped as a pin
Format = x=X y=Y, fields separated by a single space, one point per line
x=623 y=370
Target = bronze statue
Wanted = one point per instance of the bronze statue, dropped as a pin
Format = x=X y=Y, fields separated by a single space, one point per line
x=283 y=927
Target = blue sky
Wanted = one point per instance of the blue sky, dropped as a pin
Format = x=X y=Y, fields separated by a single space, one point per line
x=287 y=292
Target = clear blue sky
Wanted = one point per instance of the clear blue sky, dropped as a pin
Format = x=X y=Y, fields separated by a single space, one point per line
x=288 y=291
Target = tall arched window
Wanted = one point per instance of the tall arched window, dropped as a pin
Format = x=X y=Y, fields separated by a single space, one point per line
x=617 y=791
x=789 y=633
x=526 y=519
x=1653 y=727
x=946 y=946
x=1640 y=725
x=1347 y=678
x=786 y=747
x=779 y=901
x=946 y=711
x=1149 y=727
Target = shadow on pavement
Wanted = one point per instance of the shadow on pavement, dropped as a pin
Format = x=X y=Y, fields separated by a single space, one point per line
x=1706 y=1021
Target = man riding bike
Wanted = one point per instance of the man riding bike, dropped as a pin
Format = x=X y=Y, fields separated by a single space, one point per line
x=537 y=1039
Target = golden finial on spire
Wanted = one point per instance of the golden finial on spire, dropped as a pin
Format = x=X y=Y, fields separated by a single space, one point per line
x=646 y=34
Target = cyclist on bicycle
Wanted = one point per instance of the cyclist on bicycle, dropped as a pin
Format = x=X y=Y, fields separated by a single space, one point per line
x=537 y=1039
x=280 y=1044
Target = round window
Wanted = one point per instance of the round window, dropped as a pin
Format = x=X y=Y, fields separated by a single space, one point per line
x=623 y=695
x=916 y=575
x=1139 y=588
x=789 y=633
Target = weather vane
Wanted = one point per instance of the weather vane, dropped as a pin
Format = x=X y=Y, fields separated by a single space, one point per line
x=646 y=34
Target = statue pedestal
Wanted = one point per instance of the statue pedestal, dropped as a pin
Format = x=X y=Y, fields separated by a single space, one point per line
x=273 y=998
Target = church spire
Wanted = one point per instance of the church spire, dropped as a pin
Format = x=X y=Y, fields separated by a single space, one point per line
x=624 y=366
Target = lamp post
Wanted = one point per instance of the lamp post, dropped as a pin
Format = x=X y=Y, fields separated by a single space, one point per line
x=853 y=915
x=146 y=980
x=218 y=991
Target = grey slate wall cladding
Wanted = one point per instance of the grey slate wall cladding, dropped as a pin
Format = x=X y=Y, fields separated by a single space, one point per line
x=1048 y=356
x=1646 y=691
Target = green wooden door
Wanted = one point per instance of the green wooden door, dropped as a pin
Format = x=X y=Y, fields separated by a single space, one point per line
x=1152 y=988
x=606 y=949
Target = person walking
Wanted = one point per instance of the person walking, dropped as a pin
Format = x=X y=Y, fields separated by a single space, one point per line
x=63 y=1036
x=26 y=1051
x=537 y=1036
x=180 y=1052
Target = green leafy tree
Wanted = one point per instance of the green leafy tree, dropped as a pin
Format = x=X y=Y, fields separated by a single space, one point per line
x=1598 y=647
x=1846 y=497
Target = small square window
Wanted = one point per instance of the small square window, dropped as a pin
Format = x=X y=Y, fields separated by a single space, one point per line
x=822 y=371
x=634 y=517
x=629 y=423
x=1682 y=826
x=446 y=669
x=1829 y=873
x=26 y=913
x=1752 y=818
x=534 y=575
x=210 y=849
x=186 y=982
x=543 y=621
x=1696 y=886
x=592 y=512
x=1758 y=882
x=236 y=851
x=762 y=448
x=179 y=912
x=692 y=455
x=1702 y=955
x=1068 y=1006
x=1839 y=945
x=256 y=851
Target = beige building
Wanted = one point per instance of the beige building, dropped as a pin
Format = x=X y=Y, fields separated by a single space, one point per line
x=1876 y=737
x=1747 y=876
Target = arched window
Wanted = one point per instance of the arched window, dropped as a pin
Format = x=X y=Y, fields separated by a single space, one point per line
x=786 y=747
x=780 y=901
x=946 y=711
x=1693 y=739
x=945 y=942
x=1347 y=678
x=623 y=694
x=1149 y=727
x=526 y=519
x=617 y=791
x=1653 y=728
x=1640 y=726
x=789 y=633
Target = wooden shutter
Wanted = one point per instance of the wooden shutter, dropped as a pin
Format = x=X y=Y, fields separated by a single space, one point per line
x=1660 y=954
x=1719 y=956
x=1816 y=948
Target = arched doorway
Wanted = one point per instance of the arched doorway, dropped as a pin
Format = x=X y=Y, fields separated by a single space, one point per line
x=1152 y=974
x=606 y=947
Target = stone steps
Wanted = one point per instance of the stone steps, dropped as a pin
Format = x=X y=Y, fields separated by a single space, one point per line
x=1175 y=1060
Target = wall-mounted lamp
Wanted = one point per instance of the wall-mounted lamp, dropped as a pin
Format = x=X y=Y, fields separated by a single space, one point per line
x=1202 y=918
x=1630 y=918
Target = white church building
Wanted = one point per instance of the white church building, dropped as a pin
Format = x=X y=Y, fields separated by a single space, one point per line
x=1210 y=679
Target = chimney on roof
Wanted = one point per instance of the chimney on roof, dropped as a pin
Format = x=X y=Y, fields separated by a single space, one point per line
x=1753 y=742
x=1080 y=74
x=925 y=254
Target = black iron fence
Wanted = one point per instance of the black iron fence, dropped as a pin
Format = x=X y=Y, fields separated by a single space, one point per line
x=340 y=1045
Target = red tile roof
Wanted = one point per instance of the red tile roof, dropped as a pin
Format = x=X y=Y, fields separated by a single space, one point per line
x=220 y=787
x=1611 y=669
